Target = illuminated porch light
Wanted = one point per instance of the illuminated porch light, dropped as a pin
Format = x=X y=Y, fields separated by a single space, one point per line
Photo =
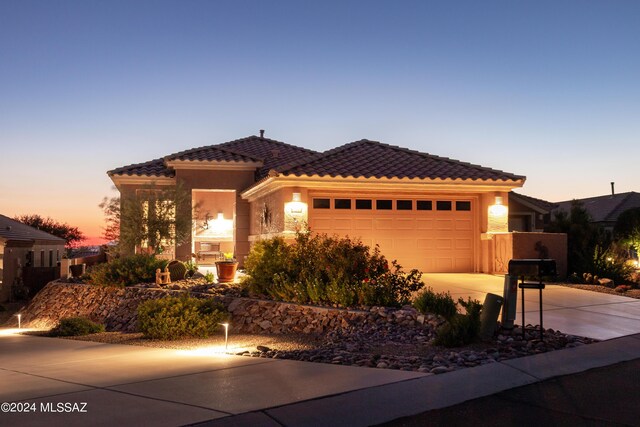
x=498 y=217
x=19 y=320
x=219 y=226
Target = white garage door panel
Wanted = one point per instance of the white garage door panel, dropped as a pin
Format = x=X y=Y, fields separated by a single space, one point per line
x=431 y=241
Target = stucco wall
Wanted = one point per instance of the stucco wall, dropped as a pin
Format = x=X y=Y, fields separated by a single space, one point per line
x=503 y=247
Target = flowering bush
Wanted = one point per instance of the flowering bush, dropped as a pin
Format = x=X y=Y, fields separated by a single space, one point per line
x=321 y=269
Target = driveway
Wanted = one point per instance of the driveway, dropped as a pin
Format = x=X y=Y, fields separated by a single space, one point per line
x=572 y=311
x=128 y=385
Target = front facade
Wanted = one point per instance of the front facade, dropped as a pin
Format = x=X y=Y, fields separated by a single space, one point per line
x=431 y=213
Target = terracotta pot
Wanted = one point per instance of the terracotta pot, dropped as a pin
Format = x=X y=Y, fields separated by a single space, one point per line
x=226 y=271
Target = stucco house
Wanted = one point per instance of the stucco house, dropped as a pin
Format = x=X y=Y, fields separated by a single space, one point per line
x=605 y=210
x=24 y=246
x=528 y=213
x=428 y=212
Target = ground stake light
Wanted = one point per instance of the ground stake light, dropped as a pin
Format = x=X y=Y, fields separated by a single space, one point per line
x=226 y=335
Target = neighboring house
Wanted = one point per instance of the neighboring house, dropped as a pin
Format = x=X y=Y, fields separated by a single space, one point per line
x=528 y=213
x=428 y=212
x=24 y=246
x=605 y=210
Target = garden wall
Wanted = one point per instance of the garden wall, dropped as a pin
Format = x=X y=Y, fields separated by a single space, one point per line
x=116 y=309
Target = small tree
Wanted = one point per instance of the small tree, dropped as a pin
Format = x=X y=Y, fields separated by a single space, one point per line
x=627 y=228
x=151 y=218
x=111 y=209
x=582 y=236
x=72 y=235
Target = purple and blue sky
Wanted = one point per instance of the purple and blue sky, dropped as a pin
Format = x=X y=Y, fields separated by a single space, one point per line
x=546 y=89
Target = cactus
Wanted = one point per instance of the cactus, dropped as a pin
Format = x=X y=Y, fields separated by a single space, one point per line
x=177 y=269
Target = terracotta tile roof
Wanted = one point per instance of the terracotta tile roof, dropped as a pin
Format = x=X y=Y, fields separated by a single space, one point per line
x=213 y=153
x=366 y=158
x=605 y=208
x=273 y=153
x=542 y=205
x=11 y=229
x=251 y=149
x=151 y=168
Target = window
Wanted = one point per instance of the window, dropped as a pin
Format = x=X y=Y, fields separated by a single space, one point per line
x=443 y=205
x=384 y=205
x=463 y=206
x=363 y=204
x=50 y=257
x=342 y=203
x=321 y=204
x=424 y=205
x=58 y=255
x=42 y=258
x=404 y=205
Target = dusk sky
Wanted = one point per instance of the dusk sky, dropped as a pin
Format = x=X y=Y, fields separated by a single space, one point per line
x=546 y=89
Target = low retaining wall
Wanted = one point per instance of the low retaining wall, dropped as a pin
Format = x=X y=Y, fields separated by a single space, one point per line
x=116 y=308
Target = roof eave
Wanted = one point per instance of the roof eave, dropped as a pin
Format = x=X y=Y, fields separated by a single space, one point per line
x=275 y=181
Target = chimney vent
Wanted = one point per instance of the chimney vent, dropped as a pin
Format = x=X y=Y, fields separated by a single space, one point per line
x=261 y=133
x=613 y=190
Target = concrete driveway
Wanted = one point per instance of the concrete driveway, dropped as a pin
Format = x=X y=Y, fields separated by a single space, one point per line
x=572 y=311
x=127 y=385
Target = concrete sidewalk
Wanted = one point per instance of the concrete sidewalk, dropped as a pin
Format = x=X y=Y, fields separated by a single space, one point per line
x=125 y=385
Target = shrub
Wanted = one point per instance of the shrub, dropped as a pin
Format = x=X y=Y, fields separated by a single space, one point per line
x=76 y=326
x=441 y=303
x=607 y=263
x=461 y=329
x=328 y=270
x=192 y=267
x=180 y=317
x=209 y=277
x=126 y=271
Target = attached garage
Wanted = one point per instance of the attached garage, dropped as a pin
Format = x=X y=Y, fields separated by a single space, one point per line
x=432 y=234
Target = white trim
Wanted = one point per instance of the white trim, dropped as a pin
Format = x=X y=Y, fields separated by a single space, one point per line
x=273 y=183
x=138 y=179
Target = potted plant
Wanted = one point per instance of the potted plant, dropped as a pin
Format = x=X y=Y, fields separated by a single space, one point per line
x=226 y=268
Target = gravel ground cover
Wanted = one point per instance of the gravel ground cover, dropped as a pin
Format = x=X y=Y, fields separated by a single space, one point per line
x=390 y=347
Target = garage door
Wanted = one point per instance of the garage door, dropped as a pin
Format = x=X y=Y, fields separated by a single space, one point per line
x=432 y=235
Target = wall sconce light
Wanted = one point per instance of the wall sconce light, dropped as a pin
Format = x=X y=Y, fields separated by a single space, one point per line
x=498 y=217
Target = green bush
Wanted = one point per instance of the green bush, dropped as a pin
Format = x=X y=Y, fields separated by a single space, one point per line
x=611 y=265
x=320 y=269
x=209 y=277
x=76 y=326
x=461 y=329
x=441 y=303
x=180 y=317
x=126 y=271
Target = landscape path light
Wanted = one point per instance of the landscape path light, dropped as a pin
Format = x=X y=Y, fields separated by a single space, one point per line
x=226 y=335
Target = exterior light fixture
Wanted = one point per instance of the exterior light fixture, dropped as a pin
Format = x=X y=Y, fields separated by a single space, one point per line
x=295 y=212
x=219 y=227
x=19 y=320
x=498 y=220
x=226 y=335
